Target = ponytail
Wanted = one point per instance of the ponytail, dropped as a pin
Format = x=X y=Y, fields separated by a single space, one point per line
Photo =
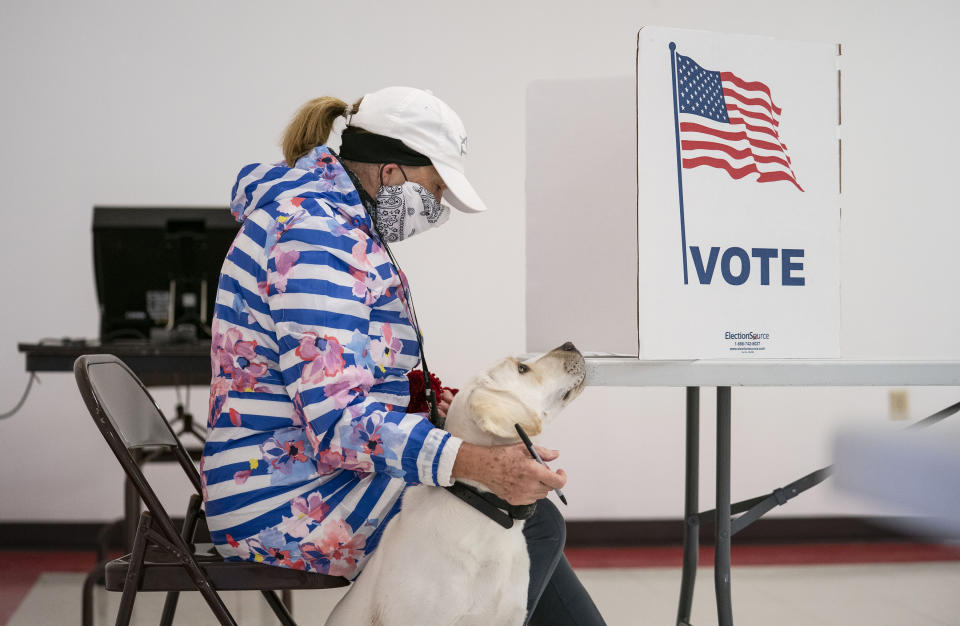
x=311 y=126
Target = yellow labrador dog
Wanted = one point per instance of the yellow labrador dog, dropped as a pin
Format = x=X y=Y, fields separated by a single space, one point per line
x=440 y=561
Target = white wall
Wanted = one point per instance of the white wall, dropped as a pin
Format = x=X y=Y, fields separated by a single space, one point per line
x=154 y=103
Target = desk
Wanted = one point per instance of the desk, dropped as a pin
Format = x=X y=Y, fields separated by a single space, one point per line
x=155 y=365
x=631 y=372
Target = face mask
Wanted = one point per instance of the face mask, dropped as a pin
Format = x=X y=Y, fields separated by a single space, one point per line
x=406 y=210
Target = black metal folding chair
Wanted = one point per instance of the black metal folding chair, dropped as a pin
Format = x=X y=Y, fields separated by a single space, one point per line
x=161 y=558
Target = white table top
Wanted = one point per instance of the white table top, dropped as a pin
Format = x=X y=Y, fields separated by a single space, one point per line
x=621 y=371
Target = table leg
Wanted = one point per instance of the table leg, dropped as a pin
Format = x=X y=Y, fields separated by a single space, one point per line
x=721 y=572
x=691 y=526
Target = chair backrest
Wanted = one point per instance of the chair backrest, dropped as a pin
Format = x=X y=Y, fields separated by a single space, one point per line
x=126 y=404
x=129 y=420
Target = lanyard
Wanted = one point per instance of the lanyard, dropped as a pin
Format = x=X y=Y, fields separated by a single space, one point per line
x=435 y=417
x=368 y=204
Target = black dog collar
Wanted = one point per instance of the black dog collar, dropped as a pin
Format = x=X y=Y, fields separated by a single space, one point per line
x=497 y=509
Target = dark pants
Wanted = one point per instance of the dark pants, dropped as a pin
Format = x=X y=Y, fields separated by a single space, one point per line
x=555 y=597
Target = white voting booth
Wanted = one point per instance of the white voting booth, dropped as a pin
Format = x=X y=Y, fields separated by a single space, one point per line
x=739 y=232
x=683 y=229
x=692 y=212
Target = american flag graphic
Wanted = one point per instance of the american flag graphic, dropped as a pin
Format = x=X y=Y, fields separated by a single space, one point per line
x=729 y=123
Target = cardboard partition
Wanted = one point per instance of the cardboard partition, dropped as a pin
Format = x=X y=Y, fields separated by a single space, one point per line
x=690 y=226
x=739 y=201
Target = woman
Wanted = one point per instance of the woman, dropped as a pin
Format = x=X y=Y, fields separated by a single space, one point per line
x=309 y=443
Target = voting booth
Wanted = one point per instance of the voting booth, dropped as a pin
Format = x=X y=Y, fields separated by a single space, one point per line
x=690 y=216
x=694 y=211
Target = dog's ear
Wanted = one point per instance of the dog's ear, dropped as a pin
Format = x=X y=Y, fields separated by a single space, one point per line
x=496 y=411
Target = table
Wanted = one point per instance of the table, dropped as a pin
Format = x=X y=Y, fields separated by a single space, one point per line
x=619 y=371
x=155 y=365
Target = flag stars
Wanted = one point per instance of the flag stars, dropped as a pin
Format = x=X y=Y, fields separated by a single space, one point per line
x=701 y=91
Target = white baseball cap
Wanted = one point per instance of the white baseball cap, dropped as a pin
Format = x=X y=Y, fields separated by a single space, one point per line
x=425 y=123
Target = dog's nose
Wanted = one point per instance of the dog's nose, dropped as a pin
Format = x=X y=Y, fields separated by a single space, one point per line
x=569 y=347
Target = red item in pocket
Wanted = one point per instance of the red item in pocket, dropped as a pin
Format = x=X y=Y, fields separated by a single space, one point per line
x=418 y=396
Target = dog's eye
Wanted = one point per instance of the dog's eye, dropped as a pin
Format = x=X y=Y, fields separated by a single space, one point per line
x=523 y=369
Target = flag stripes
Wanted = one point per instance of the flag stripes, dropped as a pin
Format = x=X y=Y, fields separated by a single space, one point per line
x=730 y=123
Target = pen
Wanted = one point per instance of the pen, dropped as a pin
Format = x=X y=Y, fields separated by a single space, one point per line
x=533 y=453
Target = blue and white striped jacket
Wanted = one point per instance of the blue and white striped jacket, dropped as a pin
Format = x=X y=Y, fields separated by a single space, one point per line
x=309 y=443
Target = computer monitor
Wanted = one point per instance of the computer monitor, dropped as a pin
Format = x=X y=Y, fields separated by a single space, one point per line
x=157 y=269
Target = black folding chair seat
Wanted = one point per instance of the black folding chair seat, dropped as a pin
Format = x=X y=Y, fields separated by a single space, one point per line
x=163 y=572
x=163 y=559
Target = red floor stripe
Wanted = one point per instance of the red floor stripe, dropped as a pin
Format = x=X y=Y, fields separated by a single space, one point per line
x=800 y=554
x=19 y=571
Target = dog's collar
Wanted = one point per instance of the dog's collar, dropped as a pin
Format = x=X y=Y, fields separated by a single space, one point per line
x=497 y=509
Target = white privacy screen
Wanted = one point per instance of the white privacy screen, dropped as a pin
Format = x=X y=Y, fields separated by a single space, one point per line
x=582 y=215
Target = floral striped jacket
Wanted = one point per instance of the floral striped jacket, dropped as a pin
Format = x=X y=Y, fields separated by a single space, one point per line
x=309 y=443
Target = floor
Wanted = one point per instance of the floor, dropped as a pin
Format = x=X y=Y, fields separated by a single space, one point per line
x=888 y=584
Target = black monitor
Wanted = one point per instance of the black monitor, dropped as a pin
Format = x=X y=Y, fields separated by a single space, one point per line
x=157 y=269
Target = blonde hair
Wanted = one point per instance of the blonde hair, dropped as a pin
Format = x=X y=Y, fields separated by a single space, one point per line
x=312 y=124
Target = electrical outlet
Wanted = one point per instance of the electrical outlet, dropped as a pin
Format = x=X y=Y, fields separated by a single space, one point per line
x=899 y=406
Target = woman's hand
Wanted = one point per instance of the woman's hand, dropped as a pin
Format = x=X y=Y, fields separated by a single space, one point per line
x=509 y=471
x=446 y=397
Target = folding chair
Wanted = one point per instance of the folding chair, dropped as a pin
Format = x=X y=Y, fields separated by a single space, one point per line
x=161 y=558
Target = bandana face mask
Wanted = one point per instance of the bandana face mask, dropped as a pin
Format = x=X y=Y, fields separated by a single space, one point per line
x=407 y=210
